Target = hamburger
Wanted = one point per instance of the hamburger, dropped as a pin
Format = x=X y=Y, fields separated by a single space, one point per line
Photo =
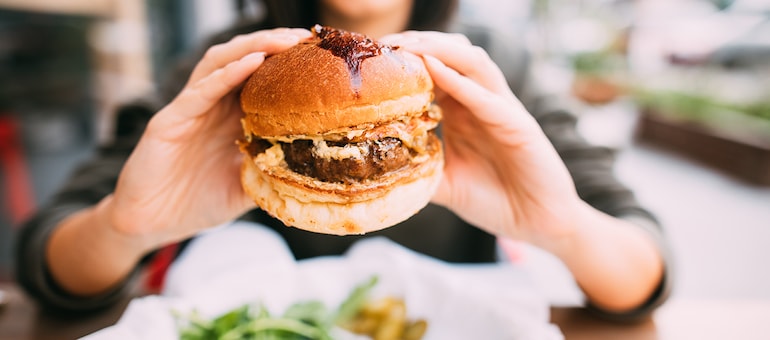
x=339 y=134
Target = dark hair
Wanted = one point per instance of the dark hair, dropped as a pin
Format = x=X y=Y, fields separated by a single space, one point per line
x=426 y=14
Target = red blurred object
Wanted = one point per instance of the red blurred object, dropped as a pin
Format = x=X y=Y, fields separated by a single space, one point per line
x=18 y=189
x=156 y=275
x=513 y=249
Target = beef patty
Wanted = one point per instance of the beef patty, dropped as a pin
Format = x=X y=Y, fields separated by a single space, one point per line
x=368 y=160
x=373 y=158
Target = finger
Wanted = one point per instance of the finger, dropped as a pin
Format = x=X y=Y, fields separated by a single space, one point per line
x=457 y=53
x=200 y=97
x=485 y=105
x=442 y=196
x=461 y=88
x=454 y=172
x=270 y=42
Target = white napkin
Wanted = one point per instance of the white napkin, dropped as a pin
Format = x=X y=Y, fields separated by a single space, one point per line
x=245 y=263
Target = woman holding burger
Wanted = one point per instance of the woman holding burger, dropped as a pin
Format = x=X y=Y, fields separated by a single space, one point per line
x=515 y=168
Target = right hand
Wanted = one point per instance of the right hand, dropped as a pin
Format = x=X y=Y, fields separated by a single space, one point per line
x=501 y=172
x=184 y=174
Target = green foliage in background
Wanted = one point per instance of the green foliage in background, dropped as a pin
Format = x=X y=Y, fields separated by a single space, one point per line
x=697 y=106
x=591 y=63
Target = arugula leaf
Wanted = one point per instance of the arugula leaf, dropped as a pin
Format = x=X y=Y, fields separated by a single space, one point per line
x=307 y=320
x=355 y=300
x=311 y=312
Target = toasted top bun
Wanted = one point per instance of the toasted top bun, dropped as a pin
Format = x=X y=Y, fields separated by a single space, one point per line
x=308 y=90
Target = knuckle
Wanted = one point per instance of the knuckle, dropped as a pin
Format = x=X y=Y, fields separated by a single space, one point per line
x=213 y=52
x=187 y=94
x=227 y=72
x=239 y=38
x=459 y=37
x=228 y=76
x=479 y=52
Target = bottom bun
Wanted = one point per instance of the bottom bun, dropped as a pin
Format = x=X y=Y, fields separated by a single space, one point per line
x=327 y=212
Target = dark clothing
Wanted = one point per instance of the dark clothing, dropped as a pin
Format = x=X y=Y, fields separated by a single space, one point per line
x=434 y=231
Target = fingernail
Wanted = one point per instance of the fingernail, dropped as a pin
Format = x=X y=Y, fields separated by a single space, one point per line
x=254 y=56
x=301 y=32
x=432 y=60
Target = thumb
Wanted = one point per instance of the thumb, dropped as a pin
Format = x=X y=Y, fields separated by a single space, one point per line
x=443 y=193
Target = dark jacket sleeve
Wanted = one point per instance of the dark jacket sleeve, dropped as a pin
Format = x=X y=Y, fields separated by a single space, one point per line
x=87 y=185
x=591 y=166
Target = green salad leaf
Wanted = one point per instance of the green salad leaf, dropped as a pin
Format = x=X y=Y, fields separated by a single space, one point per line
x=305 y=320
x=354 y=302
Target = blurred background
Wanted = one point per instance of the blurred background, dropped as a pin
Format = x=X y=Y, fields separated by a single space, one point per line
x=679 y=88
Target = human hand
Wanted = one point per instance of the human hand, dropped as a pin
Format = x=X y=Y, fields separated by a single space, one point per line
x=184 y=174
x=502 y=174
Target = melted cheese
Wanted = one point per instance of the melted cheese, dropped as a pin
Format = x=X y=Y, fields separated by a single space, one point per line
x=323 y=150
x=273 y=156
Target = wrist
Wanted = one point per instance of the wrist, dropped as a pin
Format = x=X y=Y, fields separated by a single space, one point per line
x=564 y=234
x=86 y=256
x=105 y=217
x=617 y=264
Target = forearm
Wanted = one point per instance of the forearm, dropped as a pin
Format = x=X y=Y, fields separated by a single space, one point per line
x=86 y=256
x=617 y=264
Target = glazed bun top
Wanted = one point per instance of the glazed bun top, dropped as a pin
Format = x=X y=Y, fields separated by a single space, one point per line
x=335 y=81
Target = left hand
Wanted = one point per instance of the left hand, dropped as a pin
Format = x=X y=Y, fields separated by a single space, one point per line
x=502 y=174
x=183 y=175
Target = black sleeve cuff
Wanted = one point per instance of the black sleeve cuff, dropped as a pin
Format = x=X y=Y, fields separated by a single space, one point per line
x=32 y=271
x=661 y=293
